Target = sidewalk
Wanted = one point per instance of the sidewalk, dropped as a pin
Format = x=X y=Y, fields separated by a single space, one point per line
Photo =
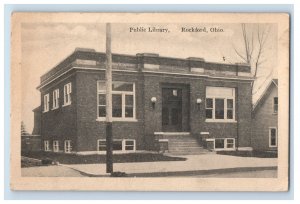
x=206 y=163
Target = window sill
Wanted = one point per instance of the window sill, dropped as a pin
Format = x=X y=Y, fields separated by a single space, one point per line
x=220 y=121
x=118 y=151
x=224 y=149
x=55 y=108
x=64 y=105
x=45 y=111
x=117 y=120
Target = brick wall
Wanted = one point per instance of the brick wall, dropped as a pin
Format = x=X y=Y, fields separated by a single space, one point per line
x=153 y=122
x=59 y=124
x=78 y=122
x=89 y=129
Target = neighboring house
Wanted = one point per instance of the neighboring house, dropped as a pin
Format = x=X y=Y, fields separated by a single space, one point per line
x=186 y=104
x=37 y=121
x=265 y=119
x=30 y=143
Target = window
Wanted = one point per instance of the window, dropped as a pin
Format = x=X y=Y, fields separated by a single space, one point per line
x=101 y=105
x=118 y=145
x=101 y=145
x=224 y=144
x=46 y=145
x=220 y=104
x=68 y=146
x=46 y=103
x=209 y=108
x=219 y=144
x=55 y=98
x=275 y=104
x=129 y=145
x=123 y=100
x=67 y=94
x=273 y=137
x=55 y=146
x=229 y=143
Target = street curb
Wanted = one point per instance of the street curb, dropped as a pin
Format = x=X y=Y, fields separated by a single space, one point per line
x=202 y=172
x=181 y=173
x=85 y=173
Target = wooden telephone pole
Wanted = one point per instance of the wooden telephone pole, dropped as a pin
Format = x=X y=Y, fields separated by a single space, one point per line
x=108 y=79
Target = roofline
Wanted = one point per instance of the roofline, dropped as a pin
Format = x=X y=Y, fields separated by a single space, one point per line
x=158 y=56
x=59 y=62
x=273 y=80
x=155 y=72
x=263 y=94
x=36 y=108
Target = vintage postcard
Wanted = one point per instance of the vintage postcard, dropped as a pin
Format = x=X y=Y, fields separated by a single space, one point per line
x=150 y=101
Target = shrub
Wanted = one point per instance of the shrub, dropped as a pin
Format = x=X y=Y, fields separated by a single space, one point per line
x=118 y=174
x=47 y=161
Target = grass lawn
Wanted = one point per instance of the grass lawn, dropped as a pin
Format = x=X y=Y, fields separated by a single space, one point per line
x=95 y=158
x=259 y=154
x=26 y=162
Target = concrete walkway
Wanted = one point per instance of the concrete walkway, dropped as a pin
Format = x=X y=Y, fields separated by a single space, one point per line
x=50 y=171
x=206 y=163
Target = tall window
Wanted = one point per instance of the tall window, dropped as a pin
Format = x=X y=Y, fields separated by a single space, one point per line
x=220 y=104
x=46 y=145
x=273 y=137
x=55 y=98
x=55 y=146
x=67 y=94
x=275 y=104
x=46 y=103
x=123 y=100
x=68 y=146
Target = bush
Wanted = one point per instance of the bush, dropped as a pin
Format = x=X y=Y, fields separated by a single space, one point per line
x=118 y=174
x=47 y=161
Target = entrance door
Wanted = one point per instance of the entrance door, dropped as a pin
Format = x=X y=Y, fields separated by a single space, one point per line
x=172 y=109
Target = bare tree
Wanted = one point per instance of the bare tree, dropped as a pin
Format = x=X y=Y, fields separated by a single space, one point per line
x=23 y=129
x=254 y=45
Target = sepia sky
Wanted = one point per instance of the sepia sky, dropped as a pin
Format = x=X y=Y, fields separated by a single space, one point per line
x=45 y=45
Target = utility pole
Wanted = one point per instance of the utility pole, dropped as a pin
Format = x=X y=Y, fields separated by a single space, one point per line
x=108 y=81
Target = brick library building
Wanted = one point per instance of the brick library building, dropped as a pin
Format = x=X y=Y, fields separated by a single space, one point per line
x=180 y=106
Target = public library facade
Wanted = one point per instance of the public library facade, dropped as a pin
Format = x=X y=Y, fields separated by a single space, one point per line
x=158 y=103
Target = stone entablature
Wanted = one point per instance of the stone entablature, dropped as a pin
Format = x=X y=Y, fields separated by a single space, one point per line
x=148 y=62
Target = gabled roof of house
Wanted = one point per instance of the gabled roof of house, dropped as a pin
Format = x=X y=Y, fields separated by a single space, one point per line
x=263 y=97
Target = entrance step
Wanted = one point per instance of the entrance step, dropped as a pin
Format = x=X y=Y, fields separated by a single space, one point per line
x=184 y=145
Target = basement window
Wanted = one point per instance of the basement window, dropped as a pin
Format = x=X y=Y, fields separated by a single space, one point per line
x=46 y=145
x=129 y=145
x=224 y=144
x=68 y=146
x=55 y=146
x=119 y=145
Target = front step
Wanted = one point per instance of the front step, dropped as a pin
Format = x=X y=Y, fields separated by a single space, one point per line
x=184 y=144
